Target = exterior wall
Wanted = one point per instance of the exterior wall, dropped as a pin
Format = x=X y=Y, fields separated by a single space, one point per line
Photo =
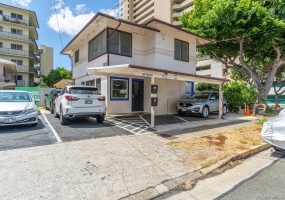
x=166 y=99
x=46 y=60
x=216 y=68
x=27 y=39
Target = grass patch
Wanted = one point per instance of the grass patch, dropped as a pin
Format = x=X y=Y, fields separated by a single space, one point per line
x=208 y=150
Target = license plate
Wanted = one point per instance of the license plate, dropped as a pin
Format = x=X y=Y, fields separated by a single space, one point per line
x=184 y=109
x=88 y=101
x=9 y=120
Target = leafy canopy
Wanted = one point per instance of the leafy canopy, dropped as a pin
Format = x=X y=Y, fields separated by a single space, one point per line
x=54 y=76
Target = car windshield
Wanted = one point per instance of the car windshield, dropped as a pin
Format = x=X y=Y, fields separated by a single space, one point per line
x=199 y=95
x=93 y=91
x=15 y=97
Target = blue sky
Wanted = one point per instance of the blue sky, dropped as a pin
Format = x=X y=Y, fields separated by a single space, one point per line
x=72 y=16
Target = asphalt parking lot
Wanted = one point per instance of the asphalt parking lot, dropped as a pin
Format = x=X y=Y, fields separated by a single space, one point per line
x=49 y=129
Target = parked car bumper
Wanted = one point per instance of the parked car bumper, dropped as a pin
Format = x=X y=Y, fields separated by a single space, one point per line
x=189 y=110
x=22 y=119
x=71 y=112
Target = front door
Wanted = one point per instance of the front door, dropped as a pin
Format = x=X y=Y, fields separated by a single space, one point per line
x=137 y=95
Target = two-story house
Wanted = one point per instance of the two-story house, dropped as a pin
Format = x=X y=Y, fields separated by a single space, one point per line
x=123 y=59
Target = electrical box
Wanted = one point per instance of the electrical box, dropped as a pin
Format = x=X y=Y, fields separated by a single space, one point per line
x=154 y=101
x=154 y=89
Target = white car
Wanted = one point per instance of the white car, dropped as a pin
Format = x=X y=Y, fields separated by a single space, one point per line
x=80 y=101
x=17 y=108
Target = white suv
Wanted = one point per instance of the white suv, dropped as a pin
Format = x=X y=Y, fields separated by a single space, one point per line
x=79 y=101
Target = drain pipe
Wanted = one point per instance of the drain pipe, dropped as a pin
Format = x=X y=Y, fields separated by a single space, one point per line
x=108 y=36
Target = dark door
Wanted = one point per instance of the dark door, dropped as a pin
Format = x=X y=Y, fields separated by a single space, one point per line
x=137 y=102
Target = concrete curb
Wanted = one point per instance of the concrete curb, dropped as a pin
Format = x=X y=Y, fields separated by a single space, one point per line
x=168 y=185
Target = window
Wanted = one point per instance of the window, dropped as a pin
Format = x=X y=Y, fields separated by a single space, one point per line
x=90 y=83
x=1 y=44
x=97 y=46
x=181 y=50
x=120 y=43
x=82 y=83
x=76 y=56
x=119 y=88
x=17 y=46
x=16 y=31
x=19 y=62
x=1 y=12
x=98 y=84
x=16 y=16
x=1 y=28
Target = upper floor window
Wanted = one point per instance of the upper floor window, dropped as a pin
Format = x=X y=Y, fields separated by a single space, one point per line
x=1 y=28
x=16 y=31
x=1 y=12
x=17 y=46
x=120 y=43
x=19 y=62
x=181 y=50
x=16 y=16
x=98 y=45
x=76 y=59
x=1 y=44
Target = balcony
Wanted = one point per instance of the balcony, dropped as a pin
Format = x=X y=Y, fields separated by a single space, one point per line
x=21 y=83
x=22 y=68
x=26 y=38
x=15 y=52
x=37 y=80
x=36 y=58
x=23 y=22
x=182 y=6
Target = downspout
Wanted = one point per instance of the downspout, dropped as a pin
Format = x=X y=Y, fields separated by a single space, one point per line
x=108 y=36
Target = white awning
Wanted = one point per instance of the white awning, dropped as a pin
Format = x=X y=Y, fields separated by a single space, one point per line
x=10 y=67
x=132 y=70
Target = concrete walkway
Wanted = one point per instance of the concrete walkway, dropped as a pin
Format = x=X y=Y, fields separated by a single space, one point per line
x=134 y=167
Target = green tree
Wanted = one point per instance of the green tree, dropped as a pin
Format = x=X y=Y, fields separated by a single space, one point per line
x=206 y=87
x=238 y=94
x=248 y=34
x=55 y=75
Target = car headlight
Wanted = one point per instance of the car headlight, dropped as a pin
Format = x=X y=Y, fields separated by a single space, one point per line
x=28 y=111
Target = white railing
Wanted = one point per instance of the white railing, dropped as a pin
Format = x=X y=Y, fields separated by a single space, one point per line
x=22 y=68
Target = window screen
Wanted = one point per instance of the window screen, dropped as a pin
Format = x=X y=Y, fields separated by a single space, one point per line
x=120 y=43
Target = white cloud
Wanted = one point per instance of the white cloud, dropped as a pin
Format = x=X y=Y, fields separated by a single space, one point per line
x=58 y=4
x=24 y=3
x=68 y=22
x=114 y=12
x=80 y=7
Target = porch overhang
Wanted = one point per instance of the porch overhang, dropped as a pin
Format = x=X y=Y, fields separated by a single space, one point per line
x=132 y=70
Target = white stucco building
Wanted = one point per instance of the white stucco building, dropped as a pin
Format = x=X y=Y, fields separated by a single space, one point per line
x=122 y=59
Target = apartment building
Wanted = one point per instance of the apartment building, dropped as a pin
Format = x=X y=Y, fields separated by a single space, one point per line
x=46 y=60
x=18 y=35
x=142 y=11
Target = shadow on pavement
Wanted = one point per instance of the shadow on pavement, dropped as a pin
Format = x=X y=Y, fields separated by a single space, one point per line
x=21 y=128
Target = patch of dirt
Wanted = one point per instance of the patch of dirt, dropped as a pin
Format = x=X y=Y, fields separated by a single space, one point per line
x=205 y=151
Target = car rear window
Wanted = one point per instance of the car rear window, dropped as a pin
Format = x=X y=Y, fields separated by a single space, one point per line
x=93 y=91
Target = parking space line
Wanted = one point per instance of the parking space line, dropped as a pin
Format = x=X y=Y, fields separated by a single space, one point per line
x=145 y=120
x=181 y=118
x=52 y=129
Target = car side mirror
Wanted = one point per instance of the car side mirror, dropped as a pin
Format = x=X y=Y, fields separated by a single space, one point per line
x=37 y=100
x=46 y=95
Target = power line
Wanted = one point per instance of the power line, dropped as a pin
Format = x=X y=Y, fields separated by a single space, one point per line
x=55 y=10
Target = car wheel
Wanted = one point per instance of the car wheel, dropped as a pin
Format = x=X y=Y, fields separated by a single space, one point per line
x=100 y=119
x=51 y=109
x=205 y=112
x=63 y=120
x=55 y=114
x=225 y=109
x=181 y=114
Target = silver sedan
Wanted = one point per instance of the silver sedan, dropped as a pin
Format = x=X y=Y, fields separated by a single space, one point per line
x=201 y=103
x=17 y=108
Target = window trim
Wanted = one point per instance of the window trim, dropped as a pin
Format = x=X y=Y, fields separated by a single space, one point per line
x=89 y=60
x=111 y=29
x=181 y=50
x=76 y=57
x=111 y=89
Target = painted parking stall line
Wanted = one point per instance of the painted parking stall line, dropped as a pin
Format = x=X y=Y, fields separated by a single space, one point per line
x=53 y=131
